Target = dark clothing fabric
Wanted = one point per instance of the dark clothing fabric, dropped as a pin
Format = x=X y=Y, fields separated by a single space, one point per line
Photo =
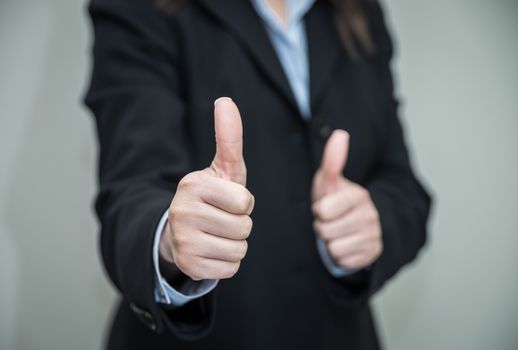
x=155 y=77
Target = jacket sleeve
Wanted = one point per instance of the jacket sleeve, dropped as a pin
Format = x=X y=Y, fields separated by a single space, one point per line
x=137 y=97
x=402 y=202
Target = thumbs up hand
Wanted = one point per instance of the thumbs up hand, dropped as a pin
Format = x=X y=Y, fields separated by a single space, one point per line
x=209 y=217
x=345 y=216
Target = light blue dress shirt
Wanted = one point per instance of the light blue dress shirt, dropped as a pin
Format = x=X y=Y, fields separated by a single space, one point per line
x=290 y=43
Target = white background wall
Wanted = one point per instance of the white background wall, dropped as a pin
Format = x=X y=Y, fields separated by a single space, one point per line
x=458 y=75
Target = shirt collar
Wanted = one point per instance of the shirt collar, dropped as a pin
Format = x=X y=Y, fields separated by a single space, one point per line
x=296 y=9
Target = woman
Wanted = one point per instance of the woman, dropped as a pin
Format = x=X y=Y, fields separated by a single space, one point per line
x=335 y=208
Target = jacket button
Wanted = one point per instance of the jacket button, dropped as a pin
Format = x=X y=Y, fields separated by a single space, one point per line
x=144 y=316
x=325 y=131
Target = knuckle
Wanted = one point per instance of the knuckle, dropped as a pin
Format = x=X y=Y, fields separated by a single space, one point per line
x=243 y=202
x=233 y=269
x=200 y=270
x=361 y=193
x=379 y=249
x=320 y=210
x=173 y=216
x=322 y=231
x=251 y=203
x=242 y=250
x=371 y=236
x=173 y=211
x=179 y=241
x=333 y=250
x=377 y=234
x=238 y=251
x=184 y=213
x=188 y=181
x=343 y=263
x=362 y=190
x=374 y=234
x=229 y=270
x=247 y=225
x=326 y=236
x=195 y=275
x=315 y=208
x=349 y=263
x=176 y=213
x=375 y=215
x=370 y=216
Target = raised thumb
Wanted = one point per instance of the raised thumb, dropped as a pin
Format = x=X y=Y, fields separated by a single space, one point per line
x=228 y=162
x=335 y=155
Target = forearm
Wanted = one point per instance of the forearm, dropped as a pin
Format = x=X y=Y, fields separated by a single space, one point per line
x=127 y=240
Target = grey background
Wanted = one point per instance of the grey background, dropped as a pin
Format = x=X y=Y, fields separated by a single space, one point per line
x=457 y=75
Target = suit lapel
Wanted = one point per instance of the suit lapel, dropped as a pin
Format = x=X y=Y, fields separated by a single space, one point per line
x=325 y=49
x=240 y=17
x=324 y=45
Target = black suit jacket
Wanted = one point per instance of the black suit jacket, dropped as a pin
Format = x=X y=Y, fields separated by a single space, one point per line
x=154 y=81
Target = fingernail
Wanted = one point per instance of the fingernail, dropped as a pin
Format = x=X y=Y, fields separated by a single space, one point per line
x=222 y=98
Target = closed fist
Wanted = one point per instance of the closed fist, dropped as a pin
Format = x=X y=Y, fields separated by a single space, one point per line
x=209 y=217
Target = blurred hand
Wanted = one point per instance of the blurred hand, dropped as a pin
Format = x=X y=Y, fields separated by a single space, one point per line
x=345 y=216
x=209 y=217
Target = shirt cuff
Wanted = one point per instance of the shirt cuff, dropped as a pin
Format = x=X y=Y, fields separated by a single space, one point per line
x=330 y=265
x=164 y=292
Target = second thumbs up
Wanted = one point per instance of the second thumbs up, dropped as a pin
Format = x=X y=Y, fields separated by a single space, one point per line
x=346 y=218
x=209 y=217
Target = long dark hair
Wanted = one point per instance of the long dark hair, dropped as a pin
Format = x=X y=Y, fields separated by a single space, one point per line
x=350 y=21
